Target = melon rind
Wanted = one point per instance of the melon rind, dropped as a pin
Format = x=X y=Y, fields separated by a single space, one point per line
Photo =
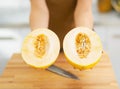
x=70 y=53
x=51 y=53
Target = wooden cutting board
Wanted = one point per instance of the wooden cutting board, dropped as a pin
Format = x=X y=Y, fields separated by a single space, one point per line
x=19 y=75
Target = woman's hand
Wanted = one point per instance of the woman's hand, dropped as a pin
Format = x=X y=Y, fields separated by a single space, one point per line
x=39 y=15
x=83 y=14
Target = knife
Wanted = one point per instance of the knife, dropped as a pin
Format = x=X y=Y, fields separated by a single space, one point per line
x=62 y=72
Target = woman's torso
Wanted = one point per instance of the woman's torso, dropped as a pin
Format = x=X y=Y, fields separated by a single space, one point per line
x=61 y=16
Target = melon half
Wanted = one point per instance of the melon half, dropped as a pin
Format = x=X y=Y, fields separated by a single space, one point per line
x=40 y=48
x=82 y=48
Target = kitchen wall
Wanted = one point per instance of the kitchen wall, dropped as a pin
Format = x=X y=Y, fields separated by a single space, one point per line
x=107 y=25
x=14 y=19
x=14 y=25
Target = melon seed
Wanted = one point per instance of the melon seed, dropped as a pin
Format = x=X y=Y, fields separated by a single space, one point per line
x=83 y=45
x=40 y=45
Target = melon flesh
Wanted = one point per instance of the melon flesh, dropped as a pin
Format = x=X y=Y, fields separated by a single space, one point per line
x=92 y=55
x=40 y=48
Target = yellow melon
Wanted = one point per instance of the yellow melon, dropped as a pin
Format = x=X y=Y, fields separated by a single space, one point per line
x=82 y=48
x=40 y=48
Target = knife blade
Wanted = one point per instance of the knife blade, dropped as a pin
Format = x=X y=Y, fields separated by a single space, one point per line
x=62 y=72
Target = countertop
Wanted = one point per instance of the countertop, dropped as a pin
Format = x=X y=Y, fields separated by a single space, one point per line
x=18 y=74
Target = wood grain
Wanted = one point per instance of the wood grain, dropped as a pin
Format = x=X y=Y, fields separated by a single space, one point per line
x=19 y=75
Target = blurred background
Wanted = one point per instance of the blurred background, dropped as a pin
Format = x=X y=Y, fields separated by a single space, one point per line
x=14 y=26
